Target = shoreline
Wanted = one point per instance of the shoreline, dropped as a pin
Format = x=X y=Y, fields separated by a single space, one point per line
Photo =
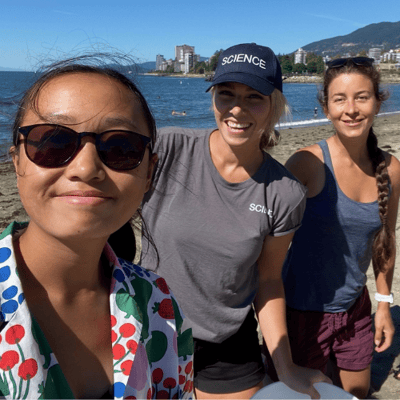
x=386 y=78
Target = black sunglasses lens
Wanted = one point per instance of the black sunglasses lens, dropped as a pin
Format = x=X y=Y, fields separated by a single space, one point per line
x=339 y=62
x=121 y=150
x=361 y=61
x=51 y=146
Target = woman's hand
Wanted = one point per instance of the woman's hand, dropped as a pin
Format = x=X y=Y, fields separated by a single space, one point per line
x=302 y=379
x=384 y=328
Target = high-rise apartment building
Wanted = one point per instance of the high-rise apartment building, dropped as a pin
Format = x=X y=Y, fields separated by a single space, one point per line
x=159 y=61
x=190 y=59
x=180 y=52
x=300 y=56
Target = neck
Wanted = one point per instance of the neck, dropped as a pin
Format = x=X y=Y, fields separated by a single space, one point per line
x=235 y=164
x=60 y=266
x=355 y=149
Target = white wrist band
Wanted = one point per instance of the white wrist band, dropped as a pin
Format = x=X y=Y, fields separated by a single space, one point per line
x=385 y=298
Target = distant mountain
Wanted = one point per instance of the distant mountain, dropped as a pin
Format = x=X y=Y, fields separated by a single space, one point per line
x=10 y=69
x=384 y=35
x=147 y=66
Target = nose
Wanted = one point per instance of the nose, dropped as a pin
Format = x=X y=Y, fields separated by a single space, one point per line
x=351 y=107
x=237 y=106
x=86 y=165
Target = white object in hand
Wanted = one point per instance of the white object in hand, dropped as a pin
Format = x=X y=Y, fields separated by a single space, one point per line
x=278 y=390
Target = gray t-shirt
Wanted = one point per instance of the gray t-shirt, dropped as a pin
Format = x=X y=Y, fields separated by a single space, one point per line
x=209 y=232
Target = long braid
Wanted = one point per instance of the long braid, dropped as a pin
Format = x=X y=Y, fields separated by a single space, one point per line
x=382 y=248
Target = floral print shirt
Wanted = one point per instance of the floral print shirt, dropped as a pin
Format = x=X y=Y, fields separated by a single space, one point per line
x=152 y=355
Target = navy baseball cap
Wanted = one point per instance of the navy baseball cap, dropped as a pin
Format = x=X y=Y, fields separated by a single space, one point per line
x=251 y=64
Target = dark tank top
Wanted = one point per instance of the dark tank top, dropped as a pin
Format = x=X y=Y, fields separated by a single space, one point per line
x=325 y=269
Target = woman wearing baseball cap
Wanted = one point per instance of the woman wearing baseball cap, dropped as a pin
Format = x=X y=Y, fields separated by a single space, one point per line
x=222 y=214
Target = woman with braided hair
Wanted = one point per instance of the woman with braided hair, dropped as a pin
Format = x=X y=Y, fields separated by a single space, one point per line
x=352 y=202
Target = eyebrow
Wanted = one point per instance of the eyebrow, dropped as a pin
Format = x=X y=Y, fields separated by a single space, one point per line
x=107 y=122
x=357 y=93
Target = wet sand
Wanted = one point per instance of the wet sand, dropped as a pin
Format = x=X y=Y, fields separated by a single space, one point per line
x=384 y=386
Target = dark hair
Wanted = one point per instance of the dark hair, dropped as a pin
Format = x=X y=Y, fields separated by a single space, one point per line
x=93 y=64
x=74 y=66
x=383 y=244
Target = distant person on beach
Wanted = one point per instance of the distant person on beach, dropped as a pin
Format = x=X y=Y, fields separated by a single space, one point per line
x=352 y=202
x=76 y=321
x=222 y=214
x=178 y=112
x=315 y=112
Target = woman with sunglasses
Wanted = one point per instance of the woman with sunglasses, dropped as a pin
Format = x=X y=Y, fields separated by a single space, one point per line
x=353 y=194
x=222 y=214
x=76 y=321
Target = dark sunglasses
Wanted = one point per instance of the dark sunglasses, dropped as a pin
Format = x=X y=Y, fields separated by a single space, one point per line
x=53 y=146
x=341 y=62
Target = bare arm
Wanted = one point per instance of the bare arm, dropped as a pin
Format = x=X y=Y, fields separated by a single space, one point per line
x=271 y=311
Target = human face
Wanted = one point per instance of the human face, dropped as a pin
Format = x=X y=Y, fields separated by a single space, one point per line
x=83 y=198
x=352 y=105
x=242 y=114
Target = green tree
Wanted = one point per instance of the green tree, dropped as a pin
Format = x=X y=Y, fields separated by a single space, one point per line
x=299 y=68
x=286 y=63
x=320 y=65
x=286 y=66
x=214 y=60
x=311 y=57
x=199 y=67
x=312 y=66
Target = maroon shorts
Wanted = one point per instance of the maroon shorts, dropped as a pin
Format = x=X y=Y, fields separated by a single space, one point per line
x=345 y=336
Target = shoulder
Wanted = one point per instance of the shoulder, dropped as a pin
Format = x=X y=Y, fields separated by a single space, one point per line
x=153 y=295
x=170 y=139
x=139 y=273
x=180 y=133
x=284 y=190
x=393 y=166
x=147 y=285
x=305 y=162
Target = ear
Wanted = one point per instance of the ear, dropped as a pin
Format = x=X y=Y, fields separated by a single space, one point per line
x=326 y=112
x=15 y=157
x=152 y=164
x=378 y=107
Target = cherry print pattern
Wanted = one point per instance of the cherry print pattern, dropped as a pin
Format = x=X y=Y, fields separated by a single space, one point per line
x=145 y=343
x=8 y=360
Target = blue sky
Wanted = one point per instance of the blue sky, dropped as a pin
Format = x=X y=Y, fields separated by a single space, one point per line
x=33 y=31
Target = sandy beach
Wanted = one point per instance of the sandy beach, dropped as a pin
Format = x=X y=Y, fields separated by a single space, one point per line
x=384 y=386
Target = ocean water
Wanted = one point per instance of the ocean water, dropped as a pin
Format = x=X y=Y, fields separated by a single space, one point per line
x=165 y=94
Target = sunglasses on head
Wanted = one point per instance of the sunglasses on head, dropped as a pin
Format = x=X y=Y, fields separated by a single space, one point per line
x=341 y=62
x=53 y=146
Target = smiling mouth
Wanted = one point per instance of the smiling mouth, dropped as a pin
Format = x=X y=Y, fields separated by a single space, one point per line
x=236 y=126
x=83 y=193
x=84 y=197
x=352 y=123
